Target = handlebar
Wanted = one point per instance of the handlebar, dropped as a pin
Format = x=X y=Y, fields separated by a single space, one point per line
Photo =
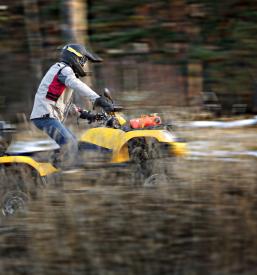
x=109 y=119
x=118 y=108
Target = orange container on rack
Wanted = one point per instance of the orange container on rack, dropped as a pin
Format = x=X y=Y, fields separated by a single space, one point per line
x=145 y=121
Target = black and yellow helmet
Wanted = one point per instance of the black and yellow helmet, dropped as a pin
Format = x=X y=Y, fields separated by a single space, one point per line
x=76 y=55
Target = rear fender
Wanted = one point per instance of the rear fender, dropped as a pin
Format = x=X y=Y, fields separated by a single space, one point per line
x=43 y=169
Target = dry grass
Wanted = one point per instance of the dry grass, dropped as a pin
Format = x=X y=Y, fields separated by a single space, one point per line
x=204 y=221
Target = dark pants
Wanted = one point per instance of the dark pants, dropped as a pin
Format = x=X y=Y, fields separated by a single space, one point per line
x=62 y=136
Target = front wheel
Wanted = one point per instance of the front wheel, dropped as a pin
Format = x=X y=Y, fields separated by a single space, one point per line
x=150 y=161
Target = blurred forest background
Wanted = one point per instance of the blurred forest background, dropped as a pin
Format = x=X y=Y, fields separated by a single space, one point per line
x=158 y=54
x=166 y=52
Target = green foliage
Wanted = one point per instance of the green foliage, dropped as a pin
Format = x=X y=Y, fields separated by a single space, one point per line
x=119 y=22
x=52 y=9
x=225 y=43
x=199 y=52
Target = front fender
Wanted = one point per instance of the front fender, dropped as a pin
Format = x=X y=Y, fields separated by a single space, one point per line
x=43 y=169
x=160 y=135
x=117 y=140
x=176 y=148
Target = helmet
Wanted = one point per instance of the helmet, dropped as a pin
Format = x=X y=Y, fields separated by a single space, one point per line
x=76 y=55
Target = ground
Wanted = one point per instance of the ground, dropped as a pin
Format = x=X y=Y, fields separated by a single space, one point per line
x=205 y=220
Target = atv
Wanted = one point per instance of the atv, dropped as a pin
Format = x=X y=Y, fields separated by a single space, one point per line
x=144 y=144
x=144 y=147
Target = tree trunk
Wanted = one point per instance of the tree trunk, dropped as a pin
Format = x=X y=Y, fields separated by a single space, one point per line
x=33 y=36
x=74 y=17
x=34 y=39
x=75 y=25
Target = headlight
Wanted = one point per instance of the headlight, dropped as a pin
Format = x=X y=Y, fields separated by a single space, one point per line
x=169 y=137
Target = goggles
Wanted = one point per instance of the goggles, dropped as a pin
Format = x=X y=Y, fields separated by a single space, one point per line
x=83 y=60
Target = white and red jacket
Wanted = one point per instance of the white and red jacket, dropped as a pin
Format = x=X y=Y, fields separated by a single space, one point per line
x=54 y=93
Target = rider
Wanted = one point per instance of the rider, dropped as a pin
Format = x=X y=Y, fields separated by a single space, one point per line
x=53 y=98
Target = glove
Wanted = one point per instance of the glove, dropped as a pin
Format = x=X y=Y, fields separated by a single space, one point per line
x=87 y=115
x=101 y=102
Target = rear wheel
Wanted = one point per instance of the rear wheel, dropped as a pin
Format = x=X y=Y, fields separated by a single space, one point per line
x=13 y=202
x=19 y=184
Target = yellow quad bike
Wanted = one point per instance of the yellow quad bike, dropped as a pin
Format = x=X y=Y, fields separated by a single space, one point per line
x=21 y=176
x=144 y=144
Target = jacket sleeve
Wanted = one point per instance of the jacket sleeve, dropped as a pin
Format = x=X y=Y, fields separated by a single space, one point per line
x=69 y=79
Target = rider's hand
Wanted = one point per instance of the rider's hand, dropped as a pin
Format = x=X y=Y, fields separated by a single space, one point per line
x=99 y=117
x=87 y=115
x=102 y=102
